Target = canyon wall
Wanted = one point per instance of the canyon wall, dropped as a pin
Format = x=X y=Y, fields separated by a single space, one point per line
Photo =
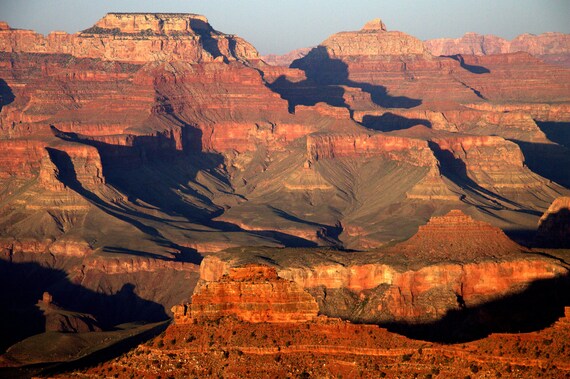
x=550 y=47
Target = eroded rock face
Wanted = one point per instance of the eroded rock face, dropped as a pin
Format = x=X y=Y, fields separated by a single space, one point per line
x=136 y=37
x=550 y=47
x=384 y=293
x=502 y=168
x=453 y=263
x=457 y=236
x=373 y=40
x=252 y=293
x=406 y=150
x=554 y=225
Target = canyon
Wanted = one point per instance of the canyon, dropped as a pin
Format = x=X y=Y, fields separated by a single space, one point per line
x=152 y=167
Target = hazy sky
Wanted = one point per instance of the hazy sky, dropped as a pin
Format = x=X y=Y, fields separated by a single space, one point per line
x=278 y=26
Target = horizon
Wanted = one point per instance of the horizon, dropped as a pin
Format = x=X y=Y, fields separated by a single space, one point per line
x=282 y=27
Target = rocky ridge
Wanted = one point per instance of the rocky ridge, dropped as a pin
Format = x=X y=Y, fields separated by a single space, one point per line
x=550 y=47
x=453 y=262
x=135 y=37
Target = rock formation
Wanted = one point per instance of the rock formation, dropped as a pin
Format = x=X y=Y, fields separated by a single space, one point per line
x=549 y=47
x=253 y=294
x=61 y=320
x=452 y=263
x=135 y=37
x=231 y=347
x=456 y=236
x=372 y=40
x=554 y=225
x=247 y=126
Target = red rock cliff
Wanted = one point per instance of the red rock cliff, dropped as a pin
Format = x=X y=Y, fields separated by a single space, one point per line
x=406 y=150
x=255 y=294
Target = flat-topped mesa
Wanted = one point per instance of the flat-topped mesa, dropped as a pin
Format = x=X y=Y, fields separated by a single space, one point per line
x=136 y=38
x=373 y=40
x=459 y=237
x=157 y=23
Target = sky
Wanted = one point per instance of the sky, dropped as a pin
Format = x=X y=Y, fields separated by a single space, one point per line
x=279 y=26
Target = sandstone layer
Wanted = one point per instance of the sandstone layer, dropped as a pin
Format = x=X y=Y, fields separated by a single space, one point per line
x=252 y=294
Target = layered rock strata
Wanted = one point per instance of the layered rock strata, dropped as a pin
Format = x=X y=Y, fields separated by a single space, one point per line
x=252 y=293
x=550 y=47
x=135 y=37
x=452 y=263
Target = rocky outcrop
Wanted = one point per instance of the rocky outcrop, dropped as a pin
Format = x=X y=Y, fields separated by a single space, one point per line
x=539 y=111
x=252 y=293
x=453 y=262
x=58 y=319
x=233 y=347
x=136 y=37
x=554 y=225
x=518 y=125
x=550 y=47
x=378 y=288
x=457 y=236
x=405 y=150
x=20 y=157
x=501 y=169
x=373 y=40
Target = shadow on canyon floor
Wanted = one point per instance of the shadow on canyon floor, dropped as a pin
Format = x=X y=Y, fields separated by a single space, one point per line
x=556 y=236
x=68 y=176
x=469 y=67
x=154 y=172
x=533 y=309
x=24 y=283
x=455 y=170
x=558 y=132
x=389 y=122
x=325 y=80
x=547 y=160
